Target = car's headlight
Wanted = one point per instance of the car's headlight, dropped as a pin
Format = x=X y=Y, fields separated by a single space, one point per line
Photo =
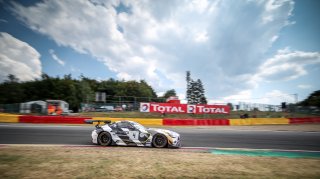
x=173 y=135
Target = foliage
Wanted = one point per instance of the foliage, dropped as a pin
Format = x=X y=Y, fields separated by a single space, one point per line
x=195 y=91
x=230 y=106
x=169 y=93
x=312 y=100
x=72 y=90
x=203 y=99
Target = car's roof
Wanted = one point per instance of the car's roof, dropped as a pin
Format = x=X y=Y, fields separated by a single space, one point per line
x=126 y=121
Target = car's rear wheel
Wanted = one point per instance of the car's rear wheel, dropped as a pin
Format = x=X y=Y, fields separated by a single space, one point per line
x=104 y=139
x=160 y=141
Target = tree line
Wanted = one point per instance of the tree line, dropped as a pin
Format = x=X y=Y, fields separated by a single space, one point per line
x=82 y=90
x=75 y=91
x=312 y=100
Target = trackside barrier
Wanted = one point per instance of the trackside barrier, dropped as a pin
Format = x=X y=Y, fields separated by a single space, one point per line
x=52 y=119
x=12 y=118
x=304 y=120
x=143 y=121
x=258 y=121
x=196 y=122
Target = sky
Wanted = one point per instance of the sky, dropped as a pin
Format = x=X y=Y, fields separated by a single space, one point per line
x=264 y=51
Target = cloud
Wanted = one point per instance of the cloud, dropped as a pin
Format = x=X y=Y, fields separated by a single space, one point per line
x=221 y=42
x=56 y=58
x=74 y=69
x=244 y=96
x=278 y=97
x=287 y=65
x=18 y=58
x=304 y=86
x=272 y=97
x=3 y=21
x=284 y=66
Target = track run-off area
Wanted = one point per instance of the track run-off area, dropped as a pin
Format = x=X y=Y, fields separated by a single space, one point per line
x=286 y=137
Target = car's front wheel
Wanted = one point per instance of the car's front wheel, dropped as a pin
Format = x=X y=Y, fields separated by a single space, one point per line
x=159 y=141
x=104 y=139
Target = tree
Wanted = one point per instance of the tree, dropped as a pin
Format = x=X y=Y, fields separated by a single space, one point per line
x=230 y=106
x=189 y=90
x=191 y=97
x=12 y=79
x=73 y=91
x=169 y=93
x=11 y=91
x=312 y=100
x=195 y=91
x=147 y=90
x=86 y=93
x=203 y=99
x=188 y=76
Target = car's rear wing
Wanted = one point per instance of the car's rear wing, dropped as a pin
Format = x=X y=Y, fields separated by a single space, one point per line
x=90 y=121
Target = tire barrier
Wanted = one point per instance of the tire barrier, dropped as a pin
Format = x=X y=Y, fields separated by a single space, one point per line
x=12 y=118
x=195 y=122
x=308 y=120
x=258 y=121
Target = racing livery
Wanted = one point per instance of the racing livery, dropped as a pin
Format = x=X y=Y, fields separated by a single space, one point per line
x=129 y=133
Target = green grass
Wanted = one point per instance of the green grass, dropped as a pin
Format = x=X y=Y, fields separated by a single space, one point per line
x=132 y=162
x=9 y=158
x=268 y=153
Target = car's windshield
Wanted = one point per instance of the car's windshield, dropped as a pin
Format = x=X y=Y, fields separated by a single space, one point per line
x=138 y=126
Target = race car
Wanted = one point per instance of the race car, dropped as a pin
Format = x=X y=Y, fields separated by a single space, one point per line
x=130 y=133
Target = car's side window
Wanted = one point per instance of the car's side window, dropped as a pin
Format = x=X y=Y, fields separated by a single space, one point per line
x=113 y=126
x=124 y=125
x=120 y=125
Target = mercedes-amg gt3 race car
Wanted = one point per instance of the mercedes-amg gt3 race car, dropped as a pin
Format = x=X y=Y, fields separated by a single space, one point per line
x=129 y=133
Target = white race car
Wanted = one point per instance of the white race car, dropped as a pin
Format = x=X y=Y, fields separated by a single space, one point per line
x=129 y=133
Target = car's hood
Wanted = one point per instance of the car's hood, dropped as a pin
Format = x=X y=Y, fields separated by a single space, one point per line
x=163 y=131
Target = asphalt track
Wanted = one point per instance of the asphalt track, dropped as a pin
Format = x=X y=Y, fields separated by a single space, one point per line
x=191 y=137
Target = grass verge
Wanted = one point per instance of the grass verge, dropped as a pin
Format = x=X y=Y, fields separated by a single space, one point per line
x=131 y=162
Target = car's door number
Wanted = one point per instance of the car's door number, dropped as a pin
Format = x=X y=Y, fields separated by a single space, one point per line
x=134 y=135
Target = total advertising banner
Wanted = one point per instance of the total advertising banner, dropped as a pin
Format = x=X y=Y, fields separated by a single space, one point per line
x=184 y=108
